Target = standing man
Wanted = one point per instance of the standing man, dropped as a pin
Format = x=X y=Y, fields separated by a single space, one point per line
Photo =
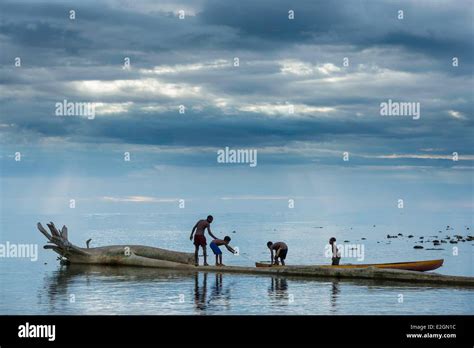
x=336 y=254
x=280 y=249
x=200 y=238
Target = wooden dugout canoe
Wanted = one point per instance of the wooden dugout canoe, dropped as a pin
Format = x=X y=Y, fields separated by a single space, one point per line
x=145 y=256
x=420 y=266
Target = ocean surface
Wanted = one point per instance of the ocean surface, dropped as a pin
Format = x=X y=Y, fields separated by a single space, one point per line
x=45 y=287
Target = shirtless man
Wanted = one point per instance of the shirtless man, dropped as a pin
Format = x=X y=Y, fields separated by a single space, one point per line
x=200 y=238
x=280 y=249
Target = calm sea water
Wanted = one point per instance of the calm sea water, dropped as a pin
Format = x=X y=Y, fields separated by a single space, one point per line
x=45 y=287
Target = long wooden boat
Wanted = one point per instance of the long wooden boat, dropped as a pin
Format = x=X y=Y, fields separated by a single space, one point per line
x=421 y=266
x=146 y=256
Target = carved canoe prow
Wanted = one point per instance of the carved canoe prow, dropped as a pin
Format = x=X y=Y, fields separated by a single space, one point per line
x=129 y=255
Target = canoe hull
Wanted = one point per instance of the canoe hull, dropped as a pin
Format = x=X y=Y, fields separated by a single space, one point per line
x=420 y=266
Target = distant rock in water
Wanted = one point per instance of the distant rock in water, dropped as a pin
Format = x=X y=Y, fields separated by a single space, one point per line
x=363 y=238
x=435 y=249
x=233 y=231
x=346 y=241
x=422 y=237
x=389 y=236
x=417 y=247
x=453 y=242
x=401 y=235
x=410 y=236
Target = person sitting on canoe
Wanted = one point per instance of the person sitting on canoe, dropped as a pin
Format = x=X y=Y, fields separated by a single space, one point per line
x=217 y=251
x=336 y=254
x=280 y=249
x=200 y=238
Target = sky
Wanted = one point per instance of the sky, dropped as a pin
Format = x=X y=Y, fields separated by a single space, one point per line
x=333 y=65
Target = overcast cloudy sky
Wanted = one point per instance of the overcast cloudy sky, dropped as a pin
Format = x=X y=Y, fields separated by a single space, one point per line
x=282 y=63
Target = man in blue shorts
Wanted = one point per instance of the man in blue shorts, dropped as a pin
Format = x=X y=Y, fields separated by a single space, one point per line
x=217 y=251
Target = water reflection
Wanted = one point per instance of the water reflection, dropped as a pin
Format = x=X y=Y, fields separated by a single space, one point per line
x=200 y=292
x=335 y=290
x=211 y=291
x=77 y=282
x=217 y=299
x=278 y=290
x=132 y=290
x=58 y=285
x=55 y=287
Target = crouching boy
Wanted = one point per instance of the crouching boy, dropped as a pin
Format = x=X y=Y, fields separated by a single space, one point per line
x=217 y=251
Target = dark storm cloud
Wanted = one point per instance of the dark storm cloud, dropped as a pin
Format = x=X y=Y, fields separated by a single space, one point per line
x=402 y=60
x=44 y=35
x=361 y=23
x=256 y=26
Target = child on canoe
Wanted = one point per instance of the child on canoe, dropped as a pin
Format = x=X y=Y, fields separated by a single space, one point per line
x=280 y=249
x=336 y=254
x=217 y=251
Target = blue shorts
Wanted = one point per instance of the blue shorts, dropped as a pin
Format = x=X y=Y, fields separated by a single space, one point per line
x=215 y=249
